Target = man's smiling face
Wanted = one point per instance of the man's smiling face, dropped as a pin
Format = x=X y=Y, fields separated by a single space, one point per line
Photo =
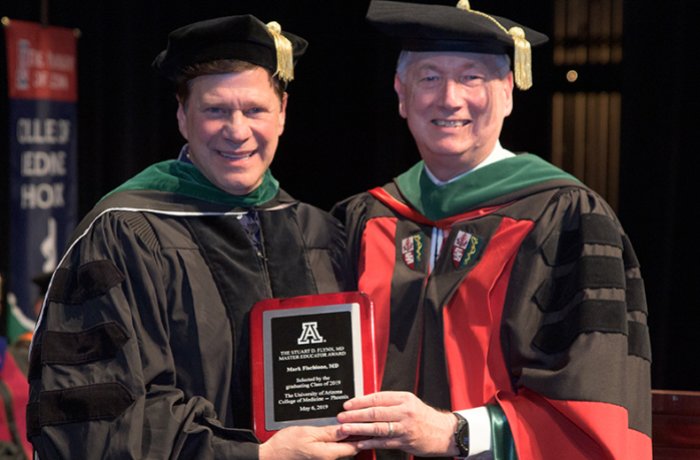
x=455 y=104
x=232 y=123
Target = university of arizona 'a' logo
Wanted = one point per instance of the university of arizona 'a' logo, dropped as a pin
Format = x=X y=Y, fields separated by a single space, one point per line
x=465 y=249
x=412 y=250
x=309 y=334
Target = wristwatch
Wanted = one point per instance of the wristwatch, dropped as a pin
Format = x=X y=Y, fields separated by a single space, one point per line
x=462 y=436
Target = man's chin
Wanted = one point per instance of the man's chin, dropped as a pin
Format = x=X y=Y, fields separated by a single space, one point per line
x=239 y=186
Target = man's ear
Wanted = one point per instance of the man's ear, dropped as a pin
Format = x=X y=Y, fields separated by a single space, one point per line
x=400 y=89
x=181 y=119
x=508 y=88
x=283 y=112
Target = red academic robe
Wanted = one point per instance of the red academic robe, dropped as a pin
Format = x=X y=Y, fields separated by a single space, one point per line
x=538 y=297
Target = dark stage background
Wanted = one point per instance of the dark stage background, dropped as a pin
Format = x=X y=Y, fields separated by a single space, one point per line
x=343 y=132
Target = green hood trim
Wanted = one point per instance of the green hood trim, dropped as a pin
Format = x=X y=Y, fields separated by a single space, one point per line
x=480 y=186
x=185 y=179
x=503 y=445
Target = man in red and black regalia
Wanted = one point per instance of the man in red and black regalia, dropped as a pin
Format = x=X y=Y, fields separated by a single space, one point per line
x=509 y=305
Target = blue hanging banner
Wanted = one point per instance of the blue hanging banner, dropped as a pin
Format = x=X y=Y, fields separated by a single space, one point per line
x=42 y=84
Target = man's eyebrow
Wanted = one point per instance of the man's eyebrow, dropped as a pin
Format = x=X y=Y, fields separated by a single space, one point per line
x=466 y=66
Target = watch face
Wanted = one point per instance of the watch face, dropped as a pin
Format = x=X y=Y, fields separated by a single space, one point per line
x=462 y=437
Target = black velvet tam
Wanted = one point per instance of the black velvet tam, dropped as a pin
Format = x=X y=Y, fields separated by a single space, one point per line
x=244 y=37
x=422 y=27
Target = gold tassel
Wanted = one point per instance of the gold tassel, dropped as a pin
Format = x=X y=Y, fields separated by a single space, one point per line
x=463 y=5
x=523 y=58
x=285 y=59
x=522 y=53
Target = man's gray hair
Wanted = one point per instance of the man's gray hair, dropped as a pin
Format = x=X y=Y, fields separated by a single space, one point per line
x=501 y=62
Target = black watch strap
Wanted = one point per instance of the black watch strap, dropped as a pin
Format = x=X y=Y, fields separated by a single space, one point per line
x=462 y=436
